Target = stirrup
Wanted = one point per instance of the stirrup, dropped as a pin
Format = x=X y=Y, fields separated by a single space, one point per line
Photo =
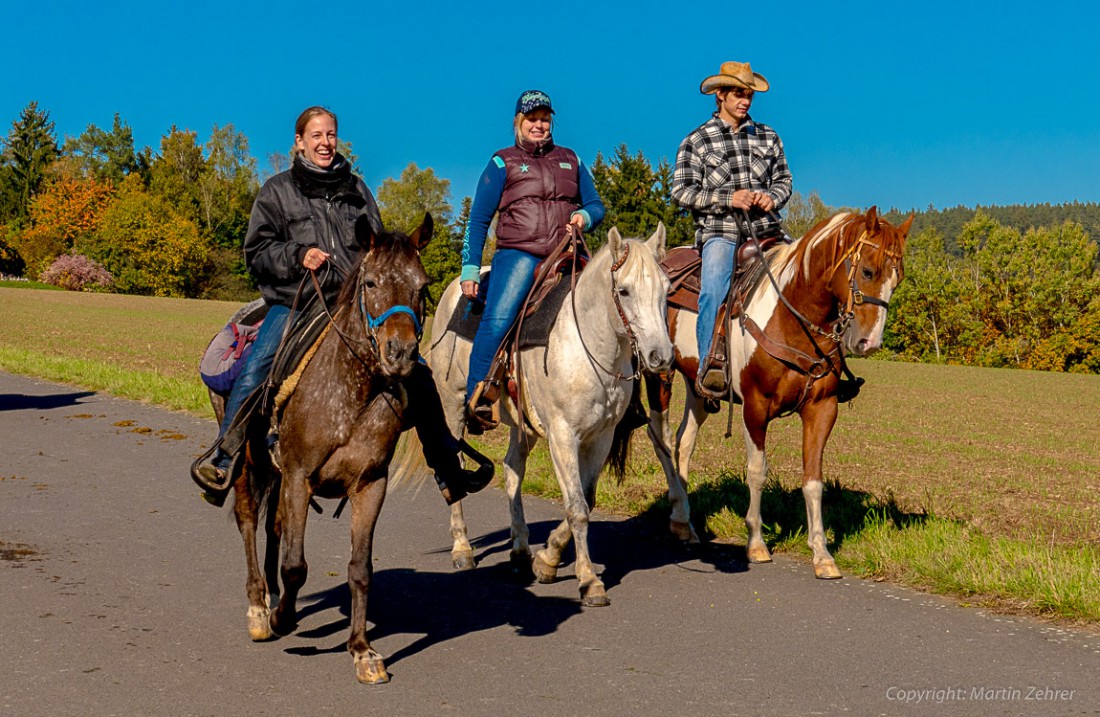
x=481 y=415
x=711 y=381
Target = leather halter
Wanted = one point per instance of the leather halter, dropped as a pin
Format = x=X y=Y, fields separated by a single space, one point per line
x=370 y=323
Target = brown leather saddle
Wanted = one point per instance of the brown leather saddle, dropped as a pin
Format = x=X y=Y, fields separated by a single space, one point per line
x=683 y=264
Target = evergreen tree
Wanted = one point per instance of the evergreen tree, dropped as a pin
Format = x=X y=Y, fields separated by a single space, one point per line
x=28 y=151
x=107 y=155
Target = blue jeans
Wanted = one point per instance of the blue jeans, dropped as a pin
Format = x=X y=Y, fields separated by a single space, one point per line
x=719 y=261
x=258 y=364
x=513 y=274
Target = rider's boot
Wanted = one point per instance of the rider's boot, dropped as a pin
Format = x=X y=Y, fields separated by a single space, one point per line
x=441 y=449
x=214 y=476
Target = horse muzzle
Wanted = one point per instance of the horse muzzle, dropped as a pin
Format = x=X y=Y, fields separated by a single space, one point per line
x=397 y=356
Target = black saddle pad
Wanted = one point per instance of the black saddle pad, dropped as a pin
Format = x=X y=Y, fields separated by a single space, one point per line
x=536 y=328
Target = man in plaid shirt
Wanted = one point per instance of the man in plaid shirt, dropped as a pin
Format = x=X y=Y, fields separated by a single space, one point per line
x=729 y=168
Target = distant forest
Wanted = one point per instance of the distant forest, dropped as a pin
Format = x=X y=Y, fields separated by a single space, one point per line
x=949 y=222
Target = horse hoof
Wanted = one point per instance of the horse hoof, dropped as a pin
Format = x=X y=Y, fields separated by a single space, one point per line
x=259 y=624
x=280 y=630
x=594 y=596
x=370 y=669
x=683 y=531
x=759 y=554
x=521 y=566
x=544 y=572
x=463 y=561
x=827 y=571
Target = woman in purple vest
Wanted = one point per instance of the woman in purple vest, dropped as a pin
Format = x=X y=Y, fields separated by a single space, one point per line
x=538 y=188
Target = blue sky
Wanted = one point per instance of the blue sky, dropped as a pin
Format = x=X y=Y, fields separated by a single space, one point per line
x=900 y=105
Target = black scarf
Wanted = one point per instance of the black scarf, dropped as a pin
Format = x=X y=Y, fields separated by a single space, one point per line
x=323 y=183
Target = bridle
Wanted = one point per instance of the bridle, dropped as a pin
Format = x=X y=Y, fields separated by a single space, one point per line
x=370 y=323
x=850 y=260
x=631 y=336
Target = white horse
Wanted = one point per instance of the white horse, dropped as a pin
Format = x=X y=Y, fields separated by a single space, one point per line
x=575 y=391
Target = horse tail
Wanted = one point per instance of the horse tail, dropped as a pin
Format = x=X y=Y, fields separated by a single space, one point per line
x=620 y=449
x=408 y=467
x=264 y=478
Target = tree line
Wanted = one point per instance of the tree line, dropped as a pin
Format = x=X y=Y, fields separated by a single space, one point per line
x=1013 y=286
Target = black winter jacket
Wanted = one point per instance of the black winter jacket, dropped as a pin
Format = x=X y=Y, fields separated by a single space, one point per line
x=302 y=208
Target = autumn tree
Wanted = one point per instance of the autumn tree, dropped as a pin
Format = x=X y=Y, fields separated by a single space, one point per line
x=802 y=213
x=176 y=172
x=404 y=201
x=147 y=245
x=67 y=209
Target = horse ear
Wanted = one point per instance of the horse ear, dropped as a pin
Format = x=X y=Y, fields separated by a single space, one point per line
x=423 y=233
x=365 y=233
x=904 y=228
x=659 y=241
x=616 y=241
x=872 y=219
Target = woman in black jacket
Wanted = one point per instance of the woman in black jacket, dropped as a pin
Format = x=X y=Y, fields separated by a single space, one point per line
x=309 y=218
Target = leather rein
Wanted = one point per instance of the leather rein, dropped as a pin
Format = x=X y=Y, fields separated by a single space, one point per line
x=630 y=335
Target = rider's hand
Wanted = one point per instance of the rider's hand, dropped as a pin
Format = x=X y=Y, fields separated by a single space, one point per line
x=764 y=201
x=577 y=220
x=469 y=289
x=742 y=199
x=314 y=258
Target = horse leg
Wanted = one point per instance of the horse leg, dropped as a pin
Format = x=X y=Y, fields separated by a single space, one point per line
x=366 y=504
x=294 y=570
x=817 y=423
x=246 y=512
x=515 y=466
x=565 y=454
x=462 y=553
x=660 y=435
x=756 y=433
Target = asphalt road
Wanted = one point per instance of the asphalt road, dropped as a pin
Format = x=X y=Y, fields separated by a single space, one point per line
x=121 y=593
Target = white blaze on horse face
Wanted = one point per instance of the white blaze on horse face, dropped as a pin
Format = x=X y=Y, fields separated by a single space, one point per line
x=870 y=342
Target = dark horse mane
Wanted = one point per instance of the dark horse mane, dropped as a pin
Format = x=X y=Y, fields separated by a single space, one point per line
x=393 y=244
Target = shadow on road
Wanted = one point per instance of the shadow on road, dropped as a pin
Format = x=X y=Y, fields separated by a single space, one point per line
x=24 y=402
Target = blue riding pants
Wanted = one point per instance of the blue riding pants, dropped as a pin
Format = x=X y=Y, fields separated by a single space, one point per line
x=258 y=364
x=719 y=261
x=512 y=275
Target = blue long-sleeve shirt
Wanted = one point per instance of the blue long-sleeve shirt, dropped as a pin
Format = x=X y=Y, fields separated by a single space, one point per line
x=490 y=189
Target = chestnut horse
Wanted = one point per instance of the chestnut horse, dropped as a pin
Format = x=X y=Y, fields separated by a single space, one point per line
x=337 y=435
x=821 y=298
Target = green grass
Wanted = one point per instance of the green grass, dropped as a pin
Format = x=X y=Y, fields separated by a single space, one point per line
x=978 y=483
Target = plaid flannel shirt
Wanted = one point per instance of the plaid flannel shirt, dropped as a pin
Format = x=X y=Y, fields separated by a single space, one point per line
x=716 y=160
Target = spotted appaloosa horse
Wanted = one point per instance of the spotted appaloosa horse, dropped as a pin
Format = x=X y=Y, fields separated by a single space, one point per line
x=338 y=432
x=824 y=297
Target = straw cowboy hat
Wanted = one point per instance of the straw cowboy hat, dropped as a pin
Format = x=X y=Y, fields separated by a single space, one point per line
x=734 y=74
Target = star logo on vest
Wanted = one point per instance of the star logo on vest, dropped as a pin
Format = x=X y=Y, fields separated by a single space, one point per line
x=524 y=168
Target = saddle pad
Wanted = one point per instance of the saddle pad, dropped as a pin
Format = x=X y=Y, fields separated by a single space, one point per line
x=466 y=318
x=536 y=327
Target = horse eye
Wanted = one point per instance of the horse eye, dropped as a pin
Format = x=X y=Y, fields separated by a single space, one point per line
x=370 y=284
x=868 y=272
x=623 y=291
